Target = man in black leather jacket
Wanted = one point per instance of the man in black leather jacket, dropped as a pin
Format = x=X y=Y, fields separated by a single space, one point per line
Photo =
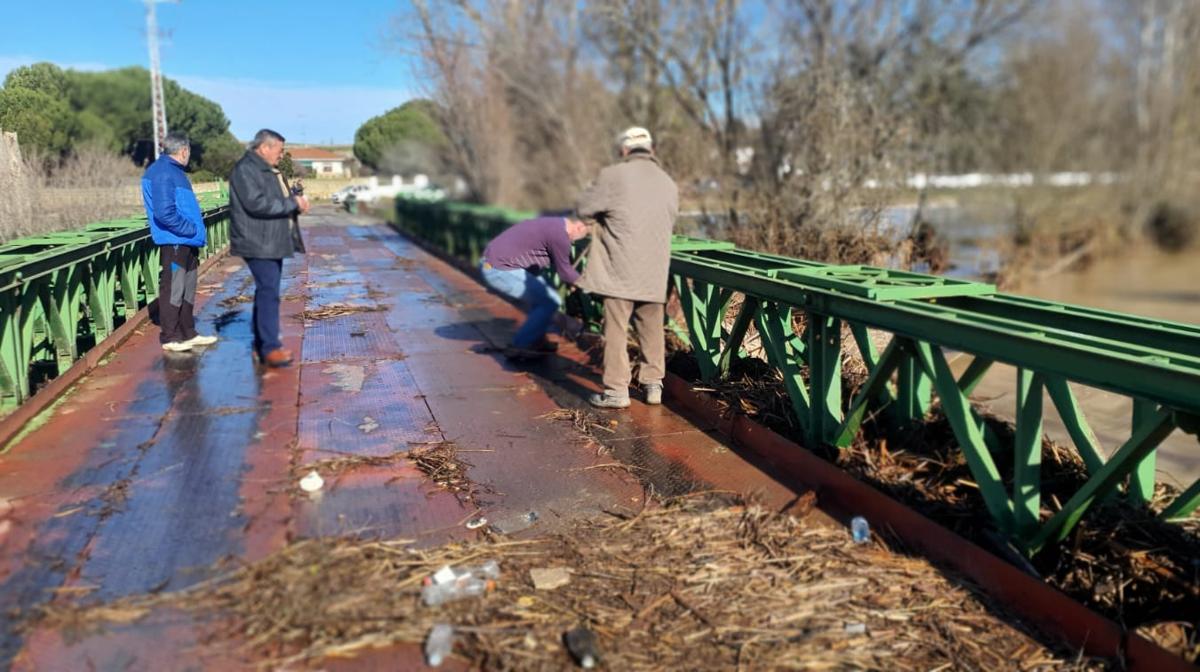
x=261 y=209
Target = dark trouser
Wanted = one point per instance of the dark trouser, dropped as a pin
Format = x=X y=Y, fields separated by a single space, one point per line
x=177 y=292
x=648 y=325
x=267 y=274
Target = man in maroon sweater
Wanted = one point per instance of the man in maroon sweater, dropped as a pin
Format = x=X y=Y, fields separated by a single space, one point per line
x=513 y=263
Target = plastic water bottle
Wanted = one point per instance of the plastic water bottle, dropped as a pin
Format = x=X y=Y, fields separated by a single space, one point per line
x=581 y=642
x=489 y=569
x=449 y=584
x=860 y=530
x=438 y=644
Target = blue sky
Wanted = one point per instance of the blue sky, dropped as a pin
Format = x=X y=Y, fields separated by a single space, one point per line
x=311 y=69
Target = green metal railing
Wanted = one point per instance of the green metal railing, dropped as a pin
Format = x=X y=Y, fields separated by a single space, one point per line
x=61 y=293
x=1155 y=363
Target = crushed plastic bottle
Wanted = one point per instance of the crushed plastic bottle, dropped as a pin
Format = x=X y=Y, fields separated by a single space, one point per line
x=581 y=642
x=438 y=644
x=860 y=530
x=455 y=583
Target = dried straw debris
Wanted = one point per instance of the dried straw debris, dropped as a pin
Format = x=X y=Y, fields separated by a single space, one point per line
x=1123 y=561
x=332 y=310
x=693 y=585
x=439 y=461
x=231 y=301
x=586 y=425
x=333 y=467
x=441 y=464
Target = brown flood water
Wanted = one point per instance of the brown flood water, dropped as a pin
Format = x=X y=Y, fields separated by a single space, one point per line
x=1141 y=282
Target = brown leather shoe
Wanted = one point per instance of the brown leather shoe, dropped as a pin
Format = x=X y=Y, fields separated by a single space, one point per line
x=278 y=358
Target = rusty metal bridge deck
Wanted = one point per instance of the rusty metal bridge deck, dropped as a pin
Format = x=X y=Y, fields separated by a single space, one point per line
x=155 y=471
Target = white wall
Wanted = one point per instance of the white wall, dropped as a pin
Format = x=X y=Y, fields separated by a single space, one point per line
x=328 y=168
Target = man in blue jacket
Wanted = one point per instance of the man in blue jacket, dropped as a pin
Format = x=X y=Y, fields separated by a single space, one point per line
x=177 y=227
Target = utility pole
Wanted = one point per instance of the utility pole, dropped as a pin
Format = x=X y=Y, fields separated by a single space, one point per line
x=158 y=105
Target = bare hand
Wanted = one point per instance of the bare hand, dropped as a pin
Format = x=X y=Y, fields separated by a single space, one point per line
x=304 y=205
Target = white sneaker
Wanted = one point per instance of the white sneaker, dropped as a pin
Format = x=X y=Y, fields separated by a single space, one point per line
x=200 y=339
x=177 y=346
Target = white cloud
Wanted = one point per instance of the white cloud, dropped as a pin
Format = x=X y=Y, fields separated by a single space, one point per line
x=301 y=112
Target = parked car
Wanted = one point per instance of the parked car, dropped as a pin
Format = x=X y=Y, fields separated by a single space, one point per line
x=352 y=189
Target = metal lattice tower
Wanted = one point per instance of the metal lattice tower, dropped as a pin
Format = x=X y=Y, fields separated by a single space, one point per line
x=157 y=103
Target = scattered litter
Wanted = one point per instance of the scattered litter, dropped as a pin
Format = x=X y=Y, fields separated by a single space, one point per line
x=702 y=578
x=515 y=523
x=449 y=584
x=476 y=523
x=312 y=482
x=439 y=644
x=581 y=642
x=334 y=467
x=549 y=578
x=860 y=530
x=1151 y=564
x=856 y=628
x=368 y=425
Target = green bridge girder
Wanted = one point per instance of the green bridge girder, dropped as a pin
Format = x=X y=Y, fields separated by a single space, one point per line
x=1155 y=363
x=61 y=293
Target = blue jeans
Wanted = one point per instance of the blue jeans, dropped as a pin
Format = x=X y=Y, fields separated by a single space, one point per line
x=265 y=323
x=532 y=290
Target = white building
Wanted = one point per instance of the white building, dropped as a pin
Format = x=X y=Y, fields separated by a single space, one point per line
x=320 y=162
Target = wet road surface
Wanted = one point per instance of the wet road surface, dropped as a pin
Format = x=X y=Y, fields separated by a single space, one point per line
x=156 y=472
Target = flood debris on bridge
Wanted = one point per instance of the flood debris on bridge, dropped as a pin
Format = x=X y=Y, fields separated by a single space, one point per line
x=1127 y=564
x=699 y=582
x=402 y=409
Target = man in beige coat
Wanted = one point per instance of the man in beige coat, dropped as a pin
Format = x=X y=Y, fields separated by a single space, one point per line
x=634 y=203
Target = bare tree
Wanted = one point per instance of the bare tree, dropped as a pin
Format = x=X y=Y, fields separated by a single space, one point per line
x=525 y=117
x=696 y=52
x=787 y=115
x=838 y=112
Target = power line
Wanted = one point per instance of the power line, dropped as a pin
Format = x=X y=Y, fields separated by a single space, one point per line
x=158 y=107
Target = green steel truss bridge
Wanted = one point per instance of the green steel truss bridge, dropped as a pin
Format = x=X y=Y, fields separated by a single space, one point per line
x=1155 y=363
x=62 y=293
